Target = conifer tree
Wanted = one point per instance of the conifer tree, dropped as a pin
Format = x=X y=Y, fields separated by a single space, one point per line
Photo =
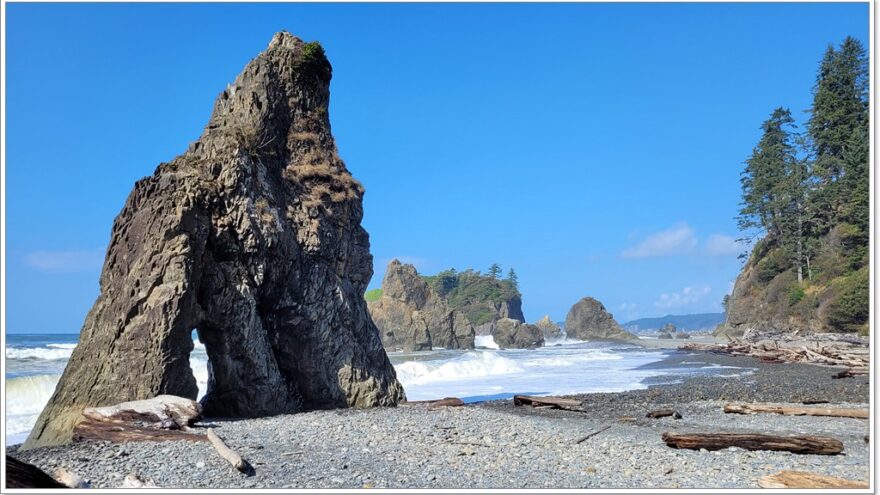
x=513 y=279
x=495 y=270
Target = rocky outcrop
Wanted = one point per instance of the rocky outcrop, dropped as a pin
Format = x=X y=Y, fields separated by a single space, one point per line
x=549 y=329
x=589 y=320
x=252 y=238
x=411 y=317
x=667 y=331
x=514 y=334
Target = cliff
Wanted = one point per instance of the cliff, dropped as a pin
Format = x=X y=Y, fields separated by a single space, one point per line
x=768 y=297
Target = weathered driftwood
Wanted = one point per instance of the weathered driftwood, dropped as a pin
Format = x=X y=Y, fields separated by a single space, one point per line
x=118 y=432
x=71 y=480
x=796 y=411
x=555 y=402
x=754 y=441
x=824 y=349
x=162 y=411
x=230 y=455
x=801 y=479
x=591 y=435
x=23 y=475
x=662 y=413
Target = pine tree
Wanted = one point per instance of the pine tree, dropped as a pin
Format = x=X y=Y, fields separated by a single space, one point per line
x=495 y=270
x=765 y=170
x=840 y=110
x=513 y=279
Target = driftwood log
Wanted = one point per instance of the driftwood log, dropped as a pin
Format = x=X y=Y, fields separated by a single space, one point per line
x=754 y=441
x=801 y=479
x=119 y=432
x=162 y=411
x=23 y=475
x=436 y=403
x=230 y=455
x=552 y=402
x=823 y=349
x=796 y=411
x=662 y=413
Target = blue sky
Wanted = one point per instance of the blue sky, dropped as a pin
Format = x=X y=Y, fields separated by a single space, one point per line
x=596 y=148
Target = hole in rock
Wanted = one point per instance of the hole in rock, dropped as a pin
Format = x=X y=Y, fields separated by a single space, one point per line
x=198 y=362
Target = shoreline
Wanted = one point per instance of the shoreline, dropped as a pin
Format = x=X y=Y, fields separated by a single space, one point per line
x=494 y=444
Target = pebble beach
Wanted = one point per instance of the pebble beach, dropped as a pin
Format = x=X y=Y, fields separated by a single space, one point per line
x=497 y=445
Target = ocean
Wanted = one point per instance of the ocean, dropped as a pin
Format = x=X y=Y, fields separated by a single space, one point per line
x=34 y=364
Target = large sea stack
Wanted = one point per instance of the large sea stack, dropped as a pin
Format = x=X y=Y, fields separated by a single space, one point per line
x=589 y=320
x=252 y=238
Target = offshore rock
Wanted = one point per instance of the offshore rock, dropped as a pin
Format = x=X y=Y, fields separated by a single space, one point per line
x=253 y=239
x=411 y=317
x=589 y=320
x=514 y=334
x=550 y=329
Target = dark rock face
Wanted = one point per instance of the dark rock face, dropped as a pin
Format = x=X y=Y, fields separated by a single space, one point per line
x=514 y=334
x=253 y=238
x=549 y=329
x=411 y=317
x=589 y=320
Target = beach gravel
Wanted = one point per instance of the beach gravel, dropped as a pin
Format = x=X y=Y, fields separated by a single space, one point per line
x=497 y=445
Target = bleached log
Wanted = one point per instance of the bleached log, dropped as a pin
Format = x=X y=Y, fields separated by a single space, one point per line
x=163 y=411
x=754 y=441
x=436 y=403
x=662 y=413
x=230 y=455
x=801 y=479
x=796 y=411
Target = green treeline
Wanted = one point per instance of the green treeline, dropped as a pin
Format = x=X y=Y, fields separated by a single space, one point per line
x=807 y=193
x=474 y=293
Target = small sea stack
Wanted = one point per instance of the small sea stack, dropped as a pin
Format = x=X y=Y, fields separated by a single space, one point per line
x=589 y=320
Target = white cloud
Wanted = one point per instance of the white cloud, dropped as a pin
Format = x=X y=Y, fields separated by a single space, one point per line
x=722 y=245
x=679 y=239
x=687 y=296
x=65 y=261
